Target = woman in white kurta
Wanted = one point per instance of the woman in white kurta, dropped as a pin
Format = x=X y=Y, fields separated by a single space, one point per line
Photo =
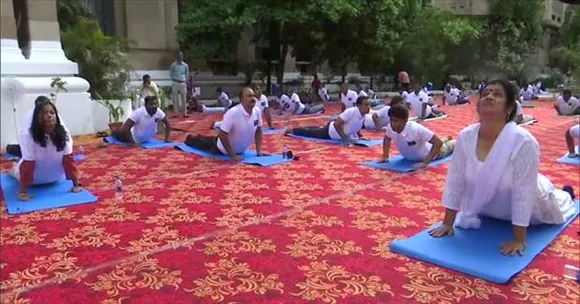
x=494 y=172
x=46 y=152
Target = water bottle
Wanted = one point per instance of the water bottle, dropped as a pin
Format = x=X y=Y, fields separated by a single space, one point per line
x=285 y=151
x=572 y=273
x=81 y=154
x=118 y=187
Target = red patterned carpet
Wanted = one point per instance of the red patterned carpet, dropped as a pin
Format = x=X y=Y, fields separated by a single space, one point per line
x=193 y=230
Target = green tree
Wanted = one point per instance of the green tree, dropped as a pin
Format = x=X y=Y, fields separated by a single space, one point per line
x=432 y=39
x=70 y=13
x=565 y=54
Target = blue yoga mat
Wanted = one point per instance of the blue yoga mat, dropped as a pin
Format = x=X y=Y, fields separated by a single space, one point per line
x=400 y=164
x=477 y=252
x=43 y=197
x=152 y=144
x=364 y=143
x=8 y=156
x=249 y=157
x=569 y=161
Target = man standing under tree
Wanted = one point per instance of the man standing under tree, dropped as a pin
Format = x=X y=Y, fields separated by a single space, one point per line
x=179 y=72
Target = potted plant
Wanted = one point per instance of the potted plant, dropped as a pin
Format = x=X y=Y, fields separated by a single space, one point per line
x=58 y=85
x=115 y=113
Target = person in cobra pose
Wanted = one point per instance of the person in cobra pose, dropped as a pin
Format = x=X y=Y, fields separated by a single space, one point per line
x=495 y=172
x=47 y=152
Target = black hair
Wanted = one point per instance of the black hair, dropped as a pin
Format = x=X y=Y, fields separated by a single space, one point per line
x=146 y=76
x=41 y=100
x=399 y=111
x=59 y=135
x=149 y=99
x=397 y=100
x=511 y=92
x=219 y=89
x=567 y=91
x=360 y=100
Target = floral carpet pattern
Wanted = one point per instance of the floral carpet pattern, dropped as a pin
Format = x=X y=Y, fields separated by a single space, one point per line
x=194 y=230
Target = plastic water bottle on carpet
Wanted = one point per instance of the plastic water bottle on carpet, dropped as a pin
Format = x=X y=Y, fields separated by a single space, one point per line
x=81 y=154
x=118 y=188
x=572 y=273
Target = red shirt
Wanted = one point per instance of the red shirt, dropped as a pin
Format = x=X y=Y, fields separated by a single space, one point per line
x=403 y=77
x=316 y=84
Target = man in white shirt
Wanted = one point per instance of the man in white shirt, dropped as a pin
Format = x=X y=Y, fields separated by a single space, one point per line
x=418 y=101
x=141 y=126
x=348 y=97
x=346 y=127
x=528 y=93
x=323 y=93
x=567 y=104
x=263 y=105
x=293 y=105
x=241 y=125
x=571 y=134
x=522 y=118
x=148 y=88
x=413 y=140
x=223 y=99
x=381 y=118
x=453 y=96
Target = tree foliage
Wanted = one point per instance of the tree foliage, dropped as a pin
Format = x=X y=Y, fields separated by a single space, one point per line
x=566 y=53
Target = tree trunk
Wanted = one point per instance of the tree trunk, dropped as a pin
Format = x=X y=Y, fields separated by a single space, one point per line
x=282 y=60
x=269 y=76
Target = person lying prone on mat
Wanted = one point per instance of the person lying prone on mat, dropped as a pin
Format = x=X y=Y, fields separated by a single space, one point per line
x=522 y=118
x=381 y=118
x=414 y=141
x=15 y=149
x=419 y=104
x=346 y=127
x=294 y=106
x=567 y=104
x=573 y=132
x=494 y=172
x=141 y=126
x=262 y=104
x=241 y=125
x=47 y=152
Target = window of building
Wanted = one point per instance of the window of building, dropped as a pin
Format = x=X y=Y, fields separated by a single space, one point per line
x=104 y=12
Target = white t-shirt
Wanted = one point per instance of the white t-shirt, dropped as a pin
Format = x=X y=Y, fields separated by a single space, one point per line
x=575 y=131
x=349 y=99
x=48 y=162
x=405 y=95
x=452 y=96
x=262 y=102
x=285 y=103
x=323 y=93
x=225 y=100
x=567 y=108
x=241 y=128
x=383 y=115
x=417 y=100
x=529 y=92
x=413 y=142
x=297 y=106
x=519 y=110
x=28 y=122
x=353 y=122
x=362 y=93
x=145 y=126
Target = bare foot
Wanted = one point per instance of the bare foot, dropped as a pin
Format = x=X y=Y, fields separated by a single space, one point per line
x=76 y=189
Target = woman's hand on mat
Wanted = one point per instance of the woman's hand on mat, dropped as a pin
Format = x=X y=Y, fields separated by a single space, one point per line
x=442 y=230
x=236 y=158
x=513 y=247
x=76 y=189
x=23 y=196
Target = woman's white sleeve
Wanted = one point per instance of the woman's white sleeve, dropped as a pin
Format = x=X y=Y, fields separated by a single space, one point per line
x=455 y=180
x=525 y=183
